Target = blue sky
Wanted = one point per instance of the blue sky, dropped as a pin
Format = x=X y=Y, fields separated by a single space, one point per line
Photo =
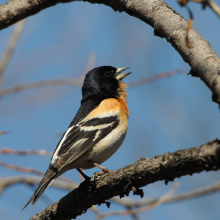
x=166 y=115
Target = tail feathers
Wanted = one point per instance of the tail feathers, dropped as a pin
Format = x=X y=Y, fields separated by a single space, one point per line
x=39 y=191
x=28 y=202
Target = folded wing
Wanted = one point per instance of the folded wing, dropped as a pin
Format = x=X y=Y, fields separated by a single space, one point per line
x=77 y=140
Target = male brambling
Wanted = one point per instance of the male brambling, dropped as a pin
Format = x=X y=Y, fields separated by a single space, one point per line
x=96 y=132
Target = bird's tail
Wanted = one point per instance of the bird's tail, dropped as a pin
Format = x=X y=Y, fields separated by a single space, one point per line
x=39 y=191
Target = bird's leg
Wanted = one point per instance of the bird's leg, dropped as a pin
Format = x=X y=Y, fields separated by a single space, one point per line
x=104 y=170
x=83 y=174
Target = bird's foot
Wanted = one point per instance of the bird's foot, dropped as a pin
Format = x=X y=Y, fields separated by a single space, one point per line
x=97 y=175
x=104 y=170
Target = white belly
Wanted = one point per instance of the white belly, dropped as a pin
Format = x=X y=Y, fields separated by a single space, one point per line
x=105 y=148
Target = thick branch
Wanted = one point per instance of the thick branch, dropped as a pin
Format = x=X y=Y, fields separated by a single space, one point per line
x=143 y=172
x=127 y=202
x=167 y=23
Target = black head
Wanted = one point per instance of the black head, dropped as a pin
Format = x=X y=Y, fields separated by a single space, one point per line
x=102 y=81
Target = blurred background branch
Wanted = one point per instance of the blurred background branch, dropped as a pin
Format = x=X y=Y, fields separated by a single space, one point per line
x=175 y=198
x=78 y=82
x=167 y=23
x=56 y=82
x=10 y=48
x=143 y=172
x=213 y=6
x=60 y=43
x=146 y=208
x=3 y=132
x=30 y=170
x=25 y=152
x=5 y=182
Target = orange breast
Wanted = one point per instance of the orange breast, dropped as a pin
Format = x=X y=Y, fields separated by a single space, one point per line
x=124 y=112
x=111 y=106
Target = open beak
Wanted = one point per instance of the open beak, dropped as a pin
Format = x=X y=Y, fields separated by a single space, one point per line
x=123 y=75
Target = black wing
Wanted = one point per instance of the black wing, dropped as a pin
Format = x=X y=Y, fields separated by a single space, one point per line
x=79 y=139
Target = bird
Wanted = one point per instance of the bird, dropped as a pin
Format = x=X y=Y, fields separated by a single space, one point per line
x=97 y=130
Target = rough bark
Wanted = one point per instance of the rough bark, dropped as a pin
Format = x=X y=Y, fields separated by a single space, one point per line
x=205 y=64
x=145 y=171
x=167 y=23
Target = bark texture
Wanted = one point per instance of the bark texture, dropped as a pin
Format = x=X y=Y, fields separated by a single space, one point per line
x=167 y=23
x=145 y=171
x=204 y=63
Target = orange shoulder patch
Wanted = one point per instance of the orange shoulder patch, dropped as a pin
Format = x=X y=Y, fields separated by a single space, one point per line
x=106 y=108
x=110 y=107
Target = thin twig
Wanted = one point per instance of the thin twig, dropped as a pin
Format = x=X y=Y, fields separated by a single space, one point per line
x=21 y=169
x=29 y=170
x=4 y=132
x=214 y=7
x=180 y=197
x=90 y=65
x=55 y=82
x=30 y=180
x=204 y=3
x=78 y=83
x=127 y=202
x=188 y=27
x=43 y=83
x=96 y=211
x=190 y=22
x=25 y=152
x=160 y=201
x=209 y=3
x=154 y=78
x=10 y=48
x=134 y=215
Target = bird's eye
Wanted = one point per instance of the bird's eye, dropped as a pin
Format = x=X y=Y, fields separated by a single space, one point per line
x=108 y=73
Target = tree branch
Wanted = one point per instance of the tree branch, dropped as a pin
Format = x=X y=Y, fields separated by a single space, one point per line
x=143 y=172
x=31 y=180
x=31 y=170
x=126 y=202
x=155 y=204
x=25 y=152
x=10 y=49
x=167 y=23
x=209 y=3
x=79 y=83
x=136 y=203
